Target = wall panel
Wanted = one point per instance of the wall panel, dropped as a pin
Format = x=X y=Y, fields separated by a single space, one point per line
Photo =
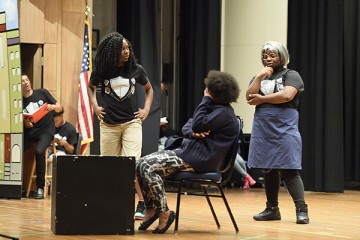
x=71 y=59
x=37 y=67
x=50 y=66
x=74 y=6
x=53 y=10
x=32 y=16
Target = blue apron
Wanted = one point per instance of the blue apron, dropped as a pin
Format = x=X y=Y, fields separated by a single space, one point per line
x=275 y=139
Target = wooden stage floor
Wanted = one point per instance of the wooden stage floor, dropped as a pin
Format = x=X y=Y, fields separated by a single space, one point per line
x=332 y=216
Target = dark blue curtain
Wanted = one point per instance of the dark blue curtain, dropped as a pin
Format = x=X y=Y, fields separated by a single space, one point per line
x=199 y=51
x=351 y=93
x=323 y=41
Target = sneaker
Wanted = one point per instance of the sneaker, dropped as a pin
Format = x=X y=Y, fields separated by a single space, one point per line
x=140 y=211
x=246 y=185
x=250 y=180
x=39 y=193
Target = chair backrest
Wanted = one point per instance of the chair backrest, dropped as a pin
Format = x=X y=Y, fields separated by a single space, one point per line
x=78 y=144
x=228 y=167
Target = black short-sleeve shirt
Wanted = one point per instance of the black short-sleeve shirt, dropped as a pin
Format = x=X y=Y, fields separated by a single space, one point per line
x=118 y=96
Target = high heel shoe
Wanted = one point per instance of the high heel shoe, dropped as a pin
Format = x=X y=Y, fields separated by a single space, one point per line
x=145 y=225
x=170 y=220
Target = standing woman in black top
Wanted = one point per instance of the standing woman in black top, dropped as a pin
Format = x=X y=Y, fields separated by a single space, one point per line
x=117 y=71
x=276 y=145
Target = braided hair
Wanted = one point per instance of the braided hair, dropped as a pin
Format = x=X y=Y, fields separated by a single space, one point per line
x=108 y=55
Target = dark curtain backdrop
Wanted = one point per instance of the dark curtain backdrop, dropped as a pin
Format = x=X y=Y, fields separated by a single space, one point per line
x=352 y=89
x=324 y=48
x=138 y=21
x=199 y=51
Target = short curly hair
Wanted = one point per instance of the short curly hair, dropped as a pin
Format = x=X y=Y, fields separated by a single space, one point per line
x=222 y=87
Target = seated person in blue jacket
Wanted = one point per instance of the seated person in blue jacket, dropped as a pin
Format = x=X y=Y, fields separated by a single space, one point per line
x=65 y=135
x=208 y=136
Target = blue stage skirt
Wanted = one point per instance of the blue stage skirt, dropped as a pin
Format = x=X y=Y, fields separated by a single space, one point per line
x=275 y=139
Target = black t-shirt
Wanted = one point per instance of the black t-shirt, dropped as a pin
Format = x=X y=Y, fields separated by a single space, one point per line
x=36 y=100
x=276 y=82
x=67 y=130
x=118 y=96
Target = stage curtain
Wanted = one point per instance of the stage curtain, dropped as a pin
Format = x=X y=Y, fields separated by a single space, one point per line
x=352 y=90
x=324 y=48
x=199 y=51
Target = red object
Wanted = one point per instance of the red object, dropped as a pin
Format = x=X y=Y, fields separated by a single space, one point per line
x=38 y=114
x=85 y=121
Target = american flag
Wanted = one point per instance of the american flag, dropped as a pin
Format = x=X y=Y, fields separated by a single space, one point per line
x=85 y=121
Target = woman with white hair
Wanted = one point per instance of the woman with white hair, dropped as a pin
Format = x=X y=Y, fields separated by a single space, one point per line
x=276 y=145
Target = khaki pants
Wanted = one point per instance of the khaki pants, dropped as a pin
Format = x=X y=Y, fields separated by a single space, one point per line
x=123 y=139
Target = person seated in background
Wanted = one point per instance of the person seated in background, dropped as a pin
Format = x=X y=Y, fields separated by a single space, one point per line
x=208 y=137
x=41 y=132
x=65 y=135
x=240 y=167
x=165 y=132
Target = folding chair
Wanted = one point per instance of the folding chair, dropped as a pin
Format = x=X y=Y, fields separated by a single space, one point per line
x=78 y=144
x=47 y=176
x=49 y=162
x=207 y=180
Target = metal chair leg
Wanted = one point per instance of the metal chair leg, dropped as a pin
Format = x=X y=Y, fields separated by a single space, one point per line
x=228 y=209
x=178 y=207
x=211 y=207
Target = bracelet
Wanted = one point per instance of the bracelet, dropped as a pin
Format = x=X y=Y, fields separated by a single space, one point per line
x=31 y=125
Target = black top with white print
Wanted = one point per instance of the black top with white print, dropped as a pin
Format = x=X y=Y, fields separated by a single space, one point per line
x=276 y=82
x=118 y=96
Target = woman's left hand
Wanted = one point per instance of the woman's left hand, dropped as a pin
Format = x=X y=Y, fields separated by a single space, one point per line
x=141 y=114
x=255 y=99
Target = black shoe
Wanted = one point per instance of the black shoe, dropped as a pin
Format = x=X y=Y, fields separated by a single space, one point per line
x=146 y=224
x=269 y=214
x=302 y=216
x=170 y=220
x=39 y=193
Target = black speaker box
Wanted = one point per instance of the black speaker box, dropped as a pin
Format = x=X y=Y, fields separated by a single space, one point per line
x=93 y=195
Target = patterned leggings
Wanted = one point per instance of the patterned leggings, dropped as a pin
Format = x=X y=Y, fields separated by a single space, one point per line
x=151 y=169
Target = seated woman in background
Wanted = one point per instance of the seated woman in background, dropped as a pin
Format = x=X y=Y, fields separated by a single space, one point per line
x=240 y=167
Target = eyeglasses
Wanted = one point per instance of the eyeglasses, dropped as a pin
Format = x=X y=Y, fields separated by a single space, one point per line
x=271 y=55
